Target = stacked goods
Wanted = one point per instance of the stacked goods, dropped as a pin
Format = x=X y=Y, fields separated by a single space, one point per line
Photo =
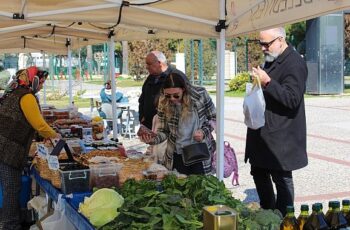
x=61 y=114
x=90 y=157
x=97 y=128
x=47 y=111
x=66 y=123
x=132 y=169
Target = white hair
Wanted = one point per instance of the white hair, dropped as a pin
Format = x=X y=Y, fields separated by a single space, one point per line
x=160 y=56
x=278 y=32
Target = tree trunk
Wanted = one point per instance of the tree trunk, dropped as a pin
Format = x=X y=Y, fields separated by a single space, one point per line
x=125 y=69
x=89 y=58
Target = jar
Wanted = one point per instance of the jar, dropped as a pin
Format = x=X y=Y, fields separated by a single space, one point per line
x=97 y=128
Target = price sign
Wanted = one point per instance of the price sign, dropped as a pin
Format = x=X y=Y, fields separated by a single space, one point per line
x=43 y=151
x=53 y=162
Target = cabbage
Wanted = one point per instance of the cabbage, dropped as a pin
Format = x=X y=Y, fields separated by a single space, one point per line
x=101 y=207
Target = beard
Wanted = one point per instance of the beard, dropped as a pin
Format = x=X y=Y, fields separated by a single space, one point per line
x=270 y=57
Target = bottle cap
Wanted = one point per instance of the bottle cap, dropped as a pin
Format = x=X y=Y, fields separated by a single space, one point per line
x=345 y=202
x=336 y=204
x=304 y=207
x=316 y=207
x=290 y=208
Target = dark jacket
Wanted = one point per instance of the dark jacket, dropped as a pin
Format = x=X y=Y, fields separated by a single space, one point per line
x=150 y=89
x=281 y=143
x=16 y=134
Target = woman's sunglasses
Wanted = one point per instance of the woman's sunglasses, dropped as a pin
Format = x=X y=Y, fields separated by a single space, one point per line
x=175 y=96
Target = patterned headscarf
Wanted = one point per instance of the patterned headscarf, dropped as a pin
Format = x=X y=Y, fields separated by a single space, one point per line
x=27 y=78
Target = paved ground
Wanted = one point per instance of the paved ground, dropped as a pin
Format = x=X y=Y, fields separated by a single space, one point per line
x=327 y=177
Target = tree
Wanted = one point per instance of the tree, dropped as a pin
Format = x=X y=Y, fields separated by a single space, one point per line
x=295 y=35
x=248 y=51
x=208 y=58
x=139 y=50
x=347 y=36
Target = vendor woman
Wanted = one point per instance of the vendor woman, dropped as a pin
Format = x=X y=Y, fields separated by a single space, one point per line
x=20 y=117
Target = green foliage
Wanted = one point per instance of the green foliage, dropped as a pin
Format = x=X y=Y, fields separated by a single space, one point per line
x=238 y=83
x=4 y=78
x=138 y=51
x=173 y=204
x=80 y=92
x=296 y=35
x=55 y=95
x=208 y=61
x=249 y=52
x=347 y=36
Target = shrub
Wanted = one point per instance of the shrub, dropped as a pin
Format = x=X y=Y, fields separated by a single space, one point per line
x=238 y=83
x=55 y=95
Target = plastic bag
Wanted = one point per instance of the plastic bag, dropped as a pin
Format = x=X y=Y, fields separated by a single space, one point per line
x=254 y=106
x=57 y=221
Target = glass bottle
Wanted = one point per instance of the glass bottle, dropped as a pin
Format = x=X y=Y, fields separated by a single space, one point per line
x=316 y=219
x=346 y=210
x=304 y=214
x=330 y=207
x=336 y=219
x=289 y=221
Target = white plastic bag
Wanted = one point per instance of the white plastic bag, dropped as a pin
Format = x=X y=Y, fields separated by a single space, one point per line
x=57 y=221
x=254 y=106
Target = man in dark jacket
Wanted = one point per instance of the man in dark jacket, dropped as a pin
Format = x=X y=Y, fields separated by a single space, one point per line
x=279 y=147
x=158 y=69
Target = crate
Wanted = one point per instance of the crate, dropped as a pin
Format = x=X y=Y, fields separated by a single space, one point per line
x=74 y=178
x=104 y=175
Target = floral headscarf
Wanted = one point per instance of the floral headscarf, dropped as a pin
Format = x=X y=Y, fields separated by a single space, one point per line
x=27 y=78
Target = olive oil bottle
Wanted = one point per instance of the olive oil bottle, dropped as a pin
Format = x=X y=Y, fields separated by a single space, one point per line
x=316 y=219
x=346 y=211
x=304 y=214
x=289 y=221
x=336 y=219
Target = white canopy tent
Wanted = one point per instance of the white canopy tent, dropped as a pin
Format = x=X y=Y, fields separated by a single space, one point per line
x=144 y=19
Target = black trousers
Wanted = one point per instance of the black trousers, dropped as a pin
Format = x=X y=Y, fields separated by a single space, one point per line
x=10 y=179
x=283 y=180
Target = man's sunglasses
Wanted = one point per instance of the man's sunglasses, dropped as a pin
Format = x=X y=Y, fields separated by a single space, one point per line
x=175 y=96
x=268 y=44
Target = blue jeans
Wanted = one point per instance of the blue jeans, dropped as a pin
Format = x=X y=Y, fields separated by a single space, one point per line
x=283 y=180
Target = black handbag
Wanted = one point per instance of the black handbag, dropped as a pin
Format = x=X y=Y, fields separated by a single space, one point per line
x=195 y=153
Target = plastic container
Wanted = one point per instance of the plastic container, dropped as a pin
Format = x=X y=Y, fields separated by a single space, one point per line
x=74 y=178
x=104 y=175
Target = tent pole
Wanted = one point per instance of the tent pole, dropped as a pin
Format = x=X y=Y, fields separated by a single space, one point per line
x=70 y=88
x=113 y=86
x=220 y=89
x=44 y=67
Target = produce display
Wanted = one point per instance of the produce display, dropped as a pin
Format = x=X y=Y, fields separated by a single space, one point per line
x=102 y=206
x=177 y=203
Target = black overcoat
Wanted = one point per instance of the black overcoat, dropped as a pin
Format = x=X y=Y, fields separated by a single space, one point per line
x=281 y=143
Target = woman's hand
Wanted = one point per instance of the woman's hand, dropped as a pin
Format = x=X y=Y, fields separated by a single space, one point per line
x=198 y=135
x=147 y=138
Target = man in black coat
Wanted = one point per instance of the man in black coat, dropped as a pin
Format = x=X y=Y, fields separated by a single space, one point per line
x=279 y=147
x=158 y=69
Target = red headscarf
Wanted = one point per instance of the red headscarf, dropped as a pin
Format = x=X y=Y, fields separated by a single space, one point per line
x=30 y=77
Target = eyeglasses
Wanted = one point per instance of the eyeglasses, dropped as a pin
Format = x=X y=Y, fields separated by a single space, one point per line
x=175 y=96
x=268 y=44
